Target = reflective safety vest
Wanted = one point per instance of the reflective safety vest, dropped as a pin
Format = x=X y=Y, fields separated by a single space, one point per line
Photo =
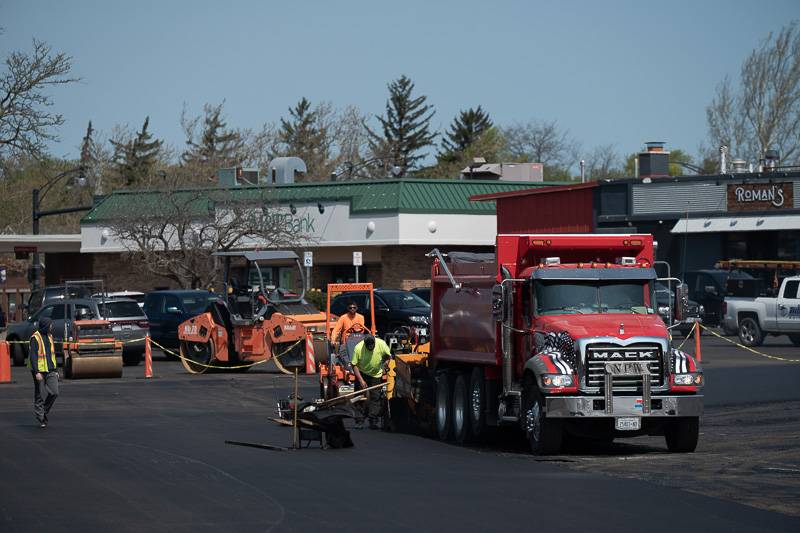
x=41 y=361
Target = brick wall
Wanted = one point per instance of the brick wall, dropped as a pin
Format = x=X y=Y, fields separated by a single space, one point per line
x=405 y=267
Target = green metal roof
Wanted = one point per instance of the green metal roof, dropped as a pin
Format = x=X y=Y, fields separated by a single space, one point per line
x=400 y=195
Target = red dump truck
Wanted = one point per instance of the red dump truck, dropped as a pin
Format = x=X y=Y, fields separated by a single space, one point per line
x=555 y=334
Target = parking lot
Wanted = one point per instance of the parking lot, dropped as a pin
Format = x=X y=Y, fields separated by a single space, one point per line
x=150 y=455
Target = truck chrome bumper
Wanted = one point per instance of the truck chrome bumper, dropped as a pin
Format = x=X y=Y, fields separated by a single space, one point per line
x=594 y=406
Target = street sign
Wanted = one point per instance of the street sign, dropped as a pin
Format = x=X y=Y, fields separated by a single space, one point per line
x=357 y=259
x=308 y=259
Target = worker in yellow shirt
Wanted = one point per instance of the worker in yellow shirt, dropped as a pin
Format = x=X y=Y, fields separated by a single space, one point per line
x=370 y=359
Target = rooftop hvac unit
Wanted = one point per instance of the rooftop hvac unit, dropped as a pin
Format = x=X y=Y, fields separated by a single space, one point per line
x=283 y=170
x=238 y=177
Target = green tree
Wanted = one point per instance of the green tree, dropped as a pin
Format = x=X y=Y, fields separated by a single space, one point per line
x=136 y=158
x=490 y=145
x=405 y=129
x=465 y=129
x=215 y=147
x=306 y=134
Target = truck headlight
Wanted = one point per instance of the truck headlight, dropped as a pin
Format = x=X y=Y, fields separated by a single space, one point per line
x=694 y=378
x=702 y=310
x=557 y=380
x=663 y=310
x=418 y=319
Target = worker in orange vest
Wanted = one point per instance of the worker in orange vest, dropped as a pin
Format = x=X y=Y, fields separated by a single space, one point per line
x=42 y=362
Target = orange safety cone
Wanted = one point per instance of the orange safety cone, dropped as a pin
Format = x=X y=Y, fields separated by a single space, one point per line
x=5 y=363
x=148 y=358
x=311 y=360
x=697 y=354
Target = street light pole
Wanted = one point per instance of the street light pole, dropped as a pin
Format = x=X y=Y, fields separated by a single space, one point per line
x=38 y=195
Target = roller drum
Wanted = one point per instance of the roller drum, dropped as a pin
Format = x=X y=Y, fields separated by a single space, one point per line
x=96 y=366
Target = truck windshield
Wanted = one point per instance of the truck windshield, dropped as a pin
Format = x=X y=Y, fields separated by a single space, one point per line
x=592 y=297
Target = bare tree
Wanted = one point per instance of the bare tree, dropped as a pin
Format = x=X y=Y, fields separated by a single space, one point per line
x=604 y=162
x=541 y=142
x=177 y=240
x=26 y=122
x=764 y=113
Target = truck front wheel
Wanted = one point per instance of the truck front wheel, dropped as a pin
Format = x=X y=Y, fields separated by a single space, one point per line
x=444 y=406
x=750 y=332
x=545 y=435
x=682 y=434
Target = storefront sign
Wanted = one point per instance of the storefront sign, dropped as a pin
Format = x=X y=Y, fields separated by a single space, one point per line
x=760 y=196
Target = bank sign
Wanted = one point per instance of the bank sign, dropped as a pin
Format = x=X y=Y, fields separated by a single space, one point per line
x=760 y=196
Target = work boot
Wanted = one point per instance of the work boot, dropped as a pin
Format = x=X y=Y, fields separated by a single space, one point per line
x=42 y=424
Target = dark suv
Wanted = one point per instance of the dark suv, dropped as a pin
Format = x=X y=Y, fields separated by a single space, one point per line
x=393 y=309
x=166 y=310
x=709 y=288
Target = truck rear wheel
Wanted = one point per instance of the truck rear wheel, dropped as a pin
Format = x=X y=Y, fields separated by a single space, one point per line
x=461 y=410
x=682 y=434
x=444 y=406
x=795 y=339
x=750 y=332
x=477 y=403
x=545 y=435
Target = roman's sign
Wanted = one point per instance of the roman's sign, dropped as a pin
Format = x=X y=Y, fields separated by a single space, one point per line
x=760 y=196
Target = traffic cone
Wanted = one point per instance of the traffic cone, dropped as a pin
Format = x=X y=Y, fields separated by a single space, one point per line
x=148 y=358
x=5 y=363
x=697 y=354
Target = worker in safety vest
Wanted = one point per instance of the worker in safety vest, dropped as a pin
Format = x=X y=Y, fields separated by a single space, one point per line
x=345 y=322
x=370 y=359
x=42 y=362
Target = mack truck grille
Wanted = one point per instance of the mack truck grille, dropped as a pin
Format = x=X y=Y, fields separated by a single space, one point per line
x=597 y=355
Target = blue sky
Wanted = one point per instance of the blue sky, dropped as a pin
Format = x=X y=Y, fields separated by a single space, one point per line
x=620 y=72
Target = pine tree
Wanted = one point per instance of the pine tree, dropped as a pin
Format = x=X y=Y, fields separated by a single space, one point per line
x=465 y=129
x=136 y=158
x=305 y=135
x=218 y=147
x=406 y=128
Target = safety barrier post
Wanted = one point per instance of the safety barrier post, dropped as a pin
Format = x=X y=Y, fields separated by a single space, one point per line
x=697 y=354
x=5 y=363
x=148 y=358
x=311 y=362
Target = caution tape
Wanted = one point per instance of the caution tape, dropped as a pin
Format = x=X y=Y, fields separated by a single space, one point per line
x=688 y=335
x=742 y=346
x=99 y=343
x=179 y=356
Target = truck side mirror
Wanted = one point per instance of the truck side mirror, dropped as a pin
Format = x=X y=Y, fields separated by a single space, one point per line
x=681 y=302
x=710 y=289
x=497 y=303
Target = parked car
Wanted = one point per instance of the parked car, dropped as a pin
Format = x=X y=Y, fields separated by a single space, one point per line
x=755 y=318
x=423 y=292
x=166 y=310
x=127 y=324
x=394 y=309
x=39 y=297
x=665 y=298
x=133 y=295
x=708 y=288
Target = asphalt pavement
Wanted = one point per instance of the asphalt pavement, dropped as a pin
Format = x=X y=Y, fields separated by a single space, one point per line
x=150 y=455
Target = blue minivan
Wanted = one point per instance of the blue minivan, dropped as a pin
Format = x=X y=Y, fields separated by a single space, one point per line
x=167 y=309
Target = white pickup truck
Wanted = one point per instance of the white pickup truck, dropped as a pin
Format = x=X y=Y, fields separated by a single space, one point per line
x=754 y=318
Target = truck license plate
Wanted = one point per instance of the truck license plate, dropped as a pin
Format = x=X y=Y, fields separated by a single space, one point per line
x=628 y=423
